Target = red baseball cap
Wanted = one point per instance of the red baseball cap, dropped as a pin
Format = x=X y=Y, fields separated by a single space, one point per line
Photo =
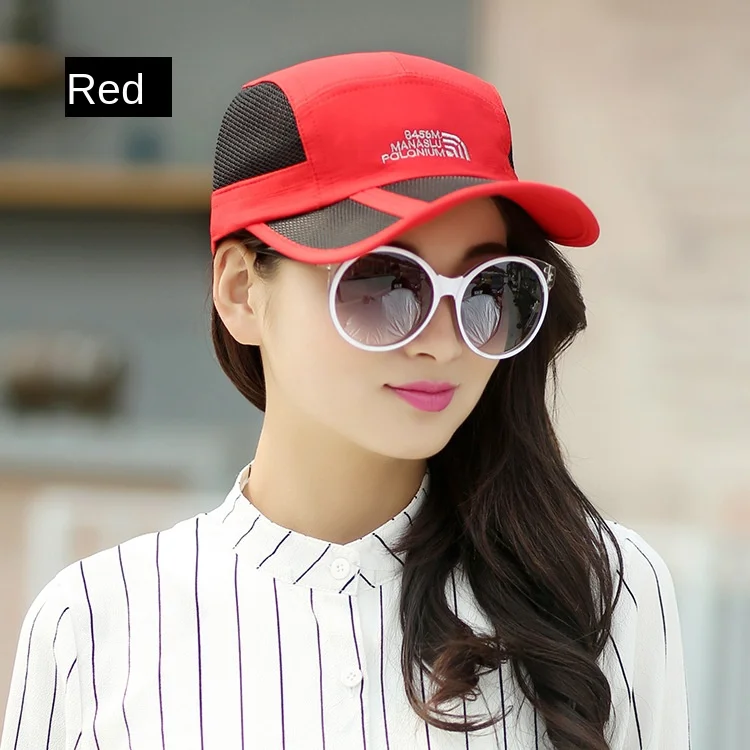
x=331 y=158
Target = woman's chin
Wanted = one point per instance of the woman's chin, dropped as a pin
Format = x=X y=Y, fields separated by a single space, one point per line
x=412 y=446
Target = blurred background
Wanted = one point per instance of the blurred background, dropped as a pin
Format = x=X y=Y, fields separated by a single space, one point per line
x=115 y=419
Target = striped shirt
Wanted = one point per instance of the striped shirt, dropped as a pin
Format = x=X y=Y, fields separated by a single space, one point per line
x=229 y=632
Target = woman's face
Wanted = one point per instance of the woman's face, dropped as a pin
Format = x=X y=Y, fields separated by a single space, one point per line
x=318 y=383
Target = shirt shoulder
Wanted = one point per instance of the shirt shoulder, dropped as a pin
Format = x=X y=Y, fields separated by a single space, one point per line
x=643 y=658
x=99 y=584
x=643 y=566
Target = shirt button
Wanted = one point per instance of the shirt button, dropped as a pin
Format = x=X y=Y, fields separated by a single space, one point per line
x=340 y=568
x=352 y=678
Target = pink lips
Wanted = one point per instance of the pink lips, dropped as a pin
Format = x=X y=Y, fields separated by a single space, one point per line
x=426 y=395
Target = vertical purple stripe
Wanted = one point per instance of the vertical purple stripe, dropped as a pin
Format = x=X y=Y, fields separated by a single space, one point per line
x=239 y=652
x=80 y=734
x=426 y=725
x=52 y=709
x=26 y=676
x=637 y=724
x=158 y=595
x=54 y=690
x=93 y=667
x=536 y=729
x=382 y=666
x=658 y=591
x=127 y=679
x=281 y=668
x=198 y=632
x=502 y=700
x=631 y=696
x=75 y=661
x=320 y=672
x=361 y=684
x=455 y=612
x=625 y=584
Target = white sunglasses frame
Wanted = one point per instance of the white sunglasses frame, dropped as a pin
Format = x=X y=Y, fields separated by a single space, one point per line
x=444 y=286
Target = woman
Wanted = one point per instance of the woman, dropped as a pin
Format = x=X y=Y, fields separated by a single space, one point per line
x=406 y=562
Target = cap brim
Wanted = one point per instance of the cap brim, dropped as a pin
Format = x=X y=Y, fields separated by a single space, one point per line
x=373 y=217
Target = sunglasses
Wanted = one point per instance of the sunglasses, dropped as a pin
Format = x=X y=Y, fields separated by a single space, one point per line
x=383 y=300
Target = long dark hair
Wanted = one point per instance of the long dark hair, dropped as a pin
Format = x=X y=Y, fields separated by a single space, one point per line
x=504 y=510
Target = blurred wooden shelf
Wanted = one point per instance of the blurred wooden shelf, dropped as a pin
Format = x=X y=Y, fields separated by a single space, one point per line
x=27 y=67
x=86 y=187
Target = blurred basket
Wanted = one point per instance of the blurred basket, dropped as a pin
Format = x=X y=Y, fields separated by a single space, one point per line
x=62 y=370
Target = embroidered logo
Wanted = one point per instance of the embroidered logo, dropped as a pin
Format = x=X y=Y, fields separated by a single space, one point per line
x=427 y=143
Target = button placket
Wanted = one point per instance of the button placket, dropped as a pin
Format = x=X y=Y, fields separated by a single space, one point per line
x=340 y=664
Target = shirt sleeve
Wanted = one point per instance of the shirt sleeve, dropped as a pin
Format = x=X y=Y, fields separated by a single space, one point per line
x=649 y=653
x=42 y=706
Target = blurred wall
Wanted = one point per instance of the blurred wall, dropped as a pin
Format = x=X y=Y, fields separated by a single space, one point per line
x=643 y=109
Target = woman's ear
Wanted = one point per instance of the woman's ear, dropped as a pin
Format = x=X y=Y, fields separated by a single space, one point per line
x=235 y=291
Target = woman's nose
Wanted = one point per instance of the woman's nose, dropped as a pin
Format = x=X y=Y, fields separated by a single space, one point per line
x=441 y=339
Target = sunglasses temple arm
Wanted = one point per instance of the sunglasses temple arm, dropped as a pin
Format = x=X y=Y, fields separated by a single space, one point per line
x=549 y=274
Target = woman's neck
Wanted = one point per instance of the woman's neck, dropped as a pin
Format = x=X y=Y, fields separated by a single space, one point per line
x=324 y=487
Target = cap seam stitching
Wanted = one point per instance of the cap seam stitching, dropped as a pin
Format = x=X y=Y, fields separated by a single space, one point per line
x=401 y=65
x=301 y=81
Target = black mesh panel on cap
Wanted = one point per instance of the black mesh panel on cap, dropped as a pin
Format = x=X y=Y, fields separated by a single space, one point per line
x=334 y=226
x=258 y=135
x=432 y=188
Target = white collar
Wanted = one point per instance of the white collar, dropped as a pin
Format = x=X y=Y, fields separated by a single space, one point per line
x=301 y=560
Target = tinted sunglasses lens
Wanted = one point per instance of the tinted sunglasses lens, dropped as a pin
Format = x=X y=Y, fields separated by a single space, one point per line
x=381 y=299
x=501 y=307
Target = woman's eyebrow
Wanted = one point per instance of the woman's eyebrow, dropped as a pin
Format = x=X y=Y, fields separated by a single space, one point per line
x=475 y=251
